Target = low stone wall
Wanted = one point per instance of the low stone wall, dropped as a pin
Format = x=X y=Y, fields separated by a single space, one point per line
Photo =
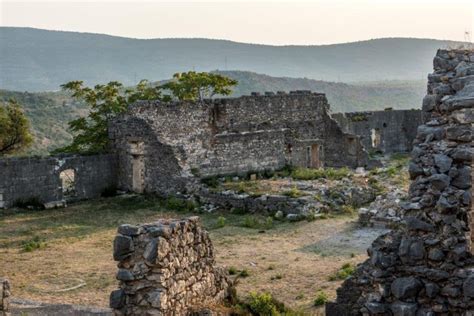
x=427 y=267
x=38 y=178
x=4 y=297
x=166 y=268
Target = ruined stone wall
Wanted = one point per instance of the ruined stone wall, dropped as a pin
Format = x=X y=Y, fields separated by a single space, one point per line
x=39 y=178
x=427 y=267
x=387 y=131
x=225 y=136
x=4 y=297
x=166 y=268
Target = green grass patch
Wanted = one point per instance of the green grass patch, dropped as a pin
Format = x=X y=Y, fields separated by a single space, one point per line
x=321 y=298
x=322 y=173
x=343 y=273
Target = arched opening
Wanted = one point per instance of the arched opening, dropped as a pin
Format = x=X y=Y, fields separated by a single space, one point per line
x=68 y=182
x=375 y=137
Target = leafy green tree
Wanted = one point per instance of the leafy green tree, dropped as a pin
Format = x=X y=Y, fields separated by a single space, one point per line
x=106 y=102
x=15 y=135
x=192 y=86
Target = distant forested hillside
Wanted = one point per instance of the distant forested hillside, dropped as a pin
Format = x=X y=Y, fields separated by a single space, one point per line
x=50 y=111
x=41 y=60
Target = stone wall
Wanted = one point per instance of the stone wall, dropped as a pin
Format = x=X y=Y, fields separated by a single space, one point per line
x=387 y=131
x=225 y=136
x=427 y=267
x=23 y=179
x=4 y=297
x=166 y=268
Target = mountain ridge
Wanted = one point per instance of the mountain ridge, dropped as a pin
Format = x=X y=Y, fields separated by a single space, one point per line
x=41 y=60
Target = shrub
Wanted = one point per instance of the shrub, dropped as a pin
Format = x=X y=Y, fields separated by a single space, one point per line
x=180 y=205
x=348 y=209
x=244 y=273
x=33 y=244
x=278 y=276
x=343 y=273
x=221 y=221
x=269 y=222
x=263 y=304
x=232 y=271
x=293 y=193
x=327 y=173
x=211 y=182
x=251 y=222
x=321 y=298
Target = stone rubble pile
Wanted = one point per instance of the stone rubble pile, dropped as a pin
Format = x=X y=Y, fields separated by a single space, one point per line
x=166 y=268
x=4 y=297
x=427 y=267
x=386 y=211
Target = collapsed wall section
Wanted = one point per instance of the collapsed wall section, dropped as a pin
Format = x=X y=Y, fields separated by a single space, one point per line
x=388 y=131
x=166 y=268
x=427 y=267
x=53 y=180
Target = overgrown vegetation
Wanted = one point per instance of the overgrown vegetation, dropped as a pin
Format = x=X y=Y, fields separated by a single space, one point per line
x=34 y=244
x=326 y=173
x=15 y=135
x=343 y=273
x=321 y=298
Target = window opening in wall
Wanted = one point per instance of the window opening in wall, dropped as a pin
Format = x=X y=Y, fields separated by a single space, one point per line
x=352 y=146
x=68 y=182
x=289 y=148
x=375 y=137
x=384 y=124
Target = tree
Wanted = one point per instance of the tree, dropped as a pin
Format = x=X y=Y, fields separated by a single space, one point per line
x=15 y=135
x=192 y=86
x=106 y=102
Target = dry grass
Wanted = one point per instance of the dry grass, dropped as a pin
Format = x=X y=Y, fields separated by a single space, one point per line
x=79 y=247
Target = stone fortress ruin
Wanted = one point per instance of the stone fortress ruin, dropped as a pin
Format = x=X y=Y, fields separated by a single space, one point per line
x=167 y=148
x=166 y=267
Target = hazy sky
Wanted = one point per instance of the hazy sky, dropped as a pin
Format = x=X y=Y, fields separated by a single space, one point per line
x=267 y=22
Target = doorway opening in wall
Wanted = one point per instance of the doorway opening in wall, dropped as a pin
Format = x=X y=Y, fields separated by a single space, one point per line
x=313 y=156
x=137 y=152
x=375 y=137
x=68 y=182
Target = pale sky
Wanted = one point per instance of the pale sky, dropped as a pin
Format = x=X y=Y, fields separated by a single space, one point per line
x=262 y=21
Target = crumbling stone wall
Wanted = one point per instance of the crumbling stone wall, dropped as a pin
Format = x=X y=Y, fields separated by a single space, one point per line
x=225 y=136
x=39 y=178
x=427 y=268
x=4 y=297
x=166 y=268
x=388 y=131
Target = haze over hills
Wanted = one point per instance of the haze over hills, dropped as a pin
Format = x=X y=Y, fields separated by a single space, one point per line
x=40 y=60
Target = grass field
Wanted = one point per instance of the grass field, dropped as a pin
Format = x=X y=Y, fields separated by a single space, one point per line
x=45 y=252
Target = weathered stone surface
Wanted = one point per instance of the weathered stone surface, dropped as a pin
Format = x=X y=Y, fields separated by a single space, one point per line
x=430 y=272
x=4 y=297
x=24 y=178
x=170 y=271
x=123 y=247
x=404 y=288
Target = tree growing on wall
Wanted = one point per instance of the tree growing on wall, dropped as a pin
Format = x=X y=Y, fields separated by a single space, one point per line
x=105 y=102
x=192 y=86
x=15 y=135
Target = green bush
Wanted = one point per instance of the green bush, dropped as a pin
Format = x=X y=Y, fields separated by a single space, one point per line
x=263 y=304
x=326 y=173
x=343 y=273
x=251 y=222
x=211 y=182
x=293 y=193
x=321 y=298
x=232 y=271
x=221 y=222
x=268 y=222
x=175 y=204
x=33 y=244
x=244 y=273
